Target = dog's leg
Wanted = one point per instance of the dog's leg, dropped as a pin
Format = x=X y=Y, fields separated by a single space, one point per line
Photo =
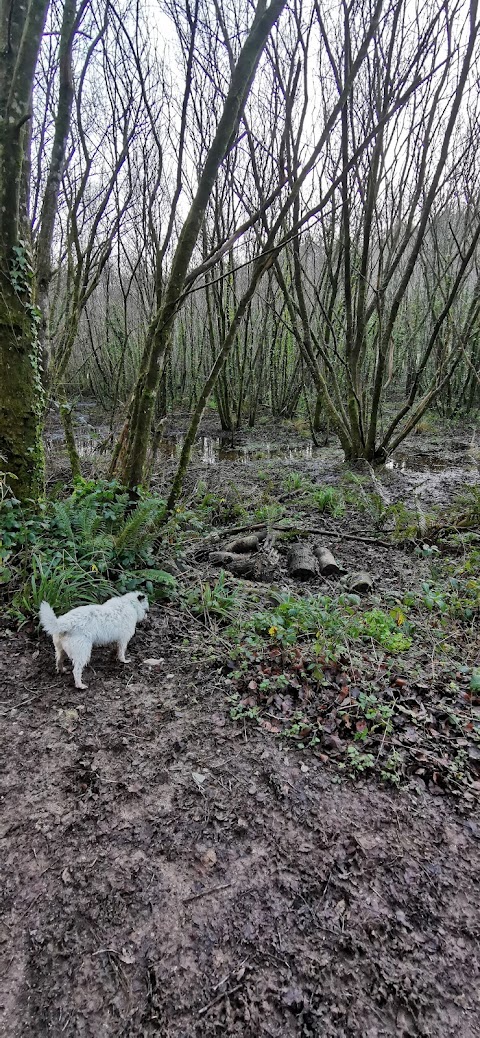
x=121 y=649
x=79 y=652
x=60 y=657
x=77 y=674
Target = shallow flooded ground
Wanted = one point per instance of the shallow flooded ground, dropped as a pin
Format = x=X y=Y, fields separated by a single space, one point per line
x=433 y=464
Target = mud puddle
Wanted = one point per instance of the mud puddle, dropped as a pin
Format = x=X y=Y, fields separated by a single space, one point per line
x=211 y=450
x=462 y=456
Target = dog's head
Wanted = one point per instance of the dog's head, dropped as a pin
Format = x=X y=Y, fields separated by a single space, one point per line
x=140 y=601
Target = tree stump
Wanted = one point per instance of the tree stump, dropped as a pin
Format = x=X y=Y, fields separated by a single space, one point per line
x=301 y=562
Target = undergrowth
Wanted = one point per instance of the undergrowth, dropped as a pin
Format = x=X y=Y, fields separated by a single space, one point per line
x=82 y=549
x=332 y=622
x=319 y=670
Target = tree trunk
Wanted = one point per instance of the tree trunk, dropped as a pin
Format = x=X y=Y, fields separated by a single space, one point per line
x=66 y=414
x=21 y=29
x=21 y=411
x=131 y=457
x=57 y=161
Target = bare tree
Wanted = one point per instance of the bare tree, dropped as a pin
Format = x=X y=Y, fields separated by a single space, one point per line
x=381 y=218
x=132 y=454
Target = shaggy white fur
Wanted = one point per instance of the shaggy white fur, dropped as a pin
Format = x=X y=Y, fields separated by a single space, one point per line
x=76 y=632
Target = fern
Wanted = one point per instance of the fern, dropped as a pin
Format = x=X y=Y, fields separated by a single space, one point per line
x=88 y=524
x=82 y=550
x=63 y=520
x=142 y=523
x=157 y=576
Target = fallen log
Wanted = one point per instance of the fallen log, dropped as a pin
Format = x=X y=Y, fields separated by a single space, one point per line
x=262 y=566
x=360 y=583
x=327 y=564
x=301 y=562
x=239 y=565
x=242 y=545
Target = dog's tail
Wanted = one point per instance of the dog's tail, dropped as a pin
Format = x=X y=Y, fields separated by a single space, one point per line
x=48 y=619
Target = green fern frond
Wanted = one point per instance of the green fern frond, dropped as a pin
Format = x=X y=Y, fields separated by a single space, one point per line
x=141 y=524
x=156 y=576
x=63 y=520
x=87 y=523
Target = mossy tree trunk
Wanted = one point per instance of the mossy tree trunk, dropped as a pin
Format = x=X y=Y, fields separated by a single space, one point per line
x=21 y=29
x=21 y=410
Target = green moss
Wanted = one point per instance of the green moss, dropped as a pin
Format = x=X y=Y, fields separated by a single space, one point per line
x=21 y=401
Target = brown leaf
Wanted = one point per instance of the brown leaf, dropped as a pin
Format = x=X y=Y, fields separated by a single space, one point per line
x=269 y=727
x=209 y=859
x=333 y=742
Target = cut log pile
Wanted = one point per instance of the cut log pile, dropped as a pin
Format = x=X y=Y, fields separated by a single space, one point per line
x=255 y=557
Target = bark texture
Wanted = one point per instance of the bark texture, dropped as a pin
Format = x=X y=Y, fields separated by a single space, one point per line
x=21 y=448
x=21 y=410
x=302 y=562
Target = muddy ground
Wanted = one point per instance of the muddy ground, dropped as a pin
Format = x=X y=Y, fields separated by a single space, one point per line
x=168 y=871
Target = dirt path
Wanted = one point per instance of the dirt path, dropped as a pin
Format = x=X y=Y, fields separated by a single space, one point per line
x=168 y=873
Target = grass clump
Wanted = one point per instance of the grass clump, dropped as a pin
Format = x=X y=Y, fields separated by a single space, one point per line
x=217 y=600
x=328 y=500
x=296 y=481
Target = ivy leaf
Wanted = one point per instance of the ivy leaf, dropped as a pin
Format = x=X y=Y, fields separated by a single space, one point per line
x=475 y=681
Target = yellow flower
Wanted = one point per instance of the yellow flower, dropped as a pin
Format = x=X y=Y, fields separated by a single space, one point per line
x=397 y=616
x=94 y=568
x=272 y=630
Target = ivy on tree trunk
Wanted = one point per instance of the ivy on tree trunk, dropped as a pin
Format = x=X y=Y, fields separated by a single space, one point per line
x=21 y=447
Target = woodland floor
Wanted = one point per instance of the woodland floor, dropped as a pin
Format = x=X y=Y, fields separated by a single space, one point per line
x=169 y=871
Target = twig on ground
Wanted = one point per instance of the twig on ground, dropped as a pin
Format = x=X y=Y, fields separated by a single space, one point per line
x=223 y=994
x=205 y=893
x=228 y=975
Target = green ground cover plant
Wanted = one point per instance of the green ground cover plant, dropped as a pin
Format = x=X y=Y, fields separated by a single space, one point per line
x=81 y=549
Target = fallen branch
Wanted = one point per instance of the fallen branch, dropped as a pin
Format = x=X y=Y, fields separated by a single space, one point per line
x=340 y=536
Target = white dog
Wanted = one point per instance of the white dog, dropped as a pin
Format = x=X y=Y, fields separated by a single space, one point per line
x=76 y=632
